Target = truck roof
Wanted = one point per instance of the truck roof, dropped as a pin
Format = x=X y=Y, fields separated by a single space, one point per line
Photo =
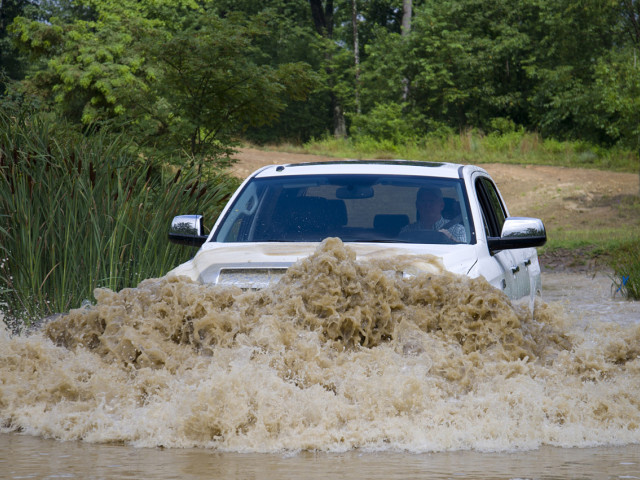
x=365 y=167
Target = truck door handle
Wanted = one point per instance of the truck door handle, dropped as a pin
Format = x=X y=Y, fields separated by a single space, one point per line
x=515 y=270
x=527 y=263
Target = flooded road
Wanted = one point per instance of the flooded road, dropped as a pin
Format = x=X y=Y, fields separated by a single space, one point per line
x=29 y=457
x=342 y=370
x=589 y=297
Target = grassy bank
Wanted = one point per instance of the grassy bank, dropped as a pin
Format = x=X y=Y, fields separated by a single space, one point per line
x=473 y=147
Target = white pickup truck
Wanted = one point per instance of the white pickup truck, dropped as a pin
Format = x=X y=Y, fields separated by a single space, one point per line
x=378 y=208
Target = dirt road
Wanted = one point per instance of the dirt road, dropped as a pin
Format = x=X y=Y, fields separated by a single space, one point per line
x=565 y=198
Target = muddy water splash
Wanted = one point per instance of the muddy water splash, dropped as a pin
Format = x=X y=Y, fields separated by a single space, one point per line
x=340 y=354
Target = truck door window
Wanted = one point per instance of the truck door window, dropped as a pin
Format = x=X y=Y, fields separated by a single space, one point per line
x=492 y=209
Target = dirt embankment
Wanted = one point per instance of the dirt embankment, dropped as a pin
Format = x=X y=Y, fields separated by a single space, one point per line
x=564 y=198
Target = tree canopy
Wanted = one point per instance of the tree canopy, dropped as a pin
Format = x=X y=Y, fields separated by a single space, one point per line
x=178 y=76
x=187 y=77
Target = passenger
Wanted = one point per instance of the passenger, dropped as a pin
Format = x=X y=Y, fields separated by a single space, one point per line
x=429 y=206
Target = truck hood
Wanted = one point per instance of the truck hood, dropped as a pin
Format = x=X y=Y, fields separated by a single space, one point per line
x=256 y=265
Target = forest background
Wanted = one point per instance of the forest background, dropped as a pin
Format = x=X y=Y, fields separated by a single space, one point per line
x=164 y=90
x=188 y=76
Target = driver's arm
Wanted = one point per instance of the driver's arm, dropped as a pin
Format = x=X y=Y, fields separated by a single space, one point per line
x=456 y=233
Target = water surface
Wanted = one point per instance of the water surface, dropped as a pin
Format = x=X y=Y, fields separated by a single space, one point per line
x=344 y=367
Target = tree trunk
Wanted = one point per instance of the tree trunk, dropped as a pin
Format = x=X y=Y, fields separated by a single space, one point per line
x=322 y=17
x=356 y=52
x=1 y=18
x=631 y=12
x=339 y=124
x=407 y=7
x=323 y=21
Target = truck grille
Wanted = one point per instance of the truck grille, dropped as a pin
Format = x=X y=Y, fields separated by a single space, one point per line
x=250 y=278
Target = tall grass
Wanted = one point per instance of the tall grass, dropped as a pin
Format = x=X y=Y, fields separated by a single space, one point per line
x=79 y=212
x=471 y=146
x=626 y=268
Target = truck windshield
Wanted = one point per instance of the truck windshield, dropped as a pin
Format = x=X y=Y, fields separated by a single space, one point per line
x=355 y=208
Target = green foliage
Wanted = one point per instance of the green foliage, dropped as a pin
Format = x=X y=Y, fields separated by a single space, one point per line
x=80 y=213
x=626 y=267
x=383 y=70
x=502 y=126
x=572 y=36
x=471 y=146
x=94 y=70
x=385 y=121
x=546 y=66
x=617 y=108
x=190 y=76
x=462 y=61
x=177 y=77
x=12 y=65
x=213 y=86
x=291 y=39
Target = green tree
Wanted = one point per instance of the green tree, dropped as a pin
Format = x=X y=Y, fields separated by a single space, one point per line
x=292 y=39
x=570 y=36
x=617 y=106
x=179 y=77
x=322 y=13
x=155 y=67
x=13 y=65
x=630 y=12
x=539 y=64
x=463 y=62
x=9 y=62
x=214 y=84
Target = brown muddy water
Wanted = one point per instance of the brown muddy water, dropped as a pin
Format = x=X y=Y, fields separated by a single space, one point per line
x=344 y=368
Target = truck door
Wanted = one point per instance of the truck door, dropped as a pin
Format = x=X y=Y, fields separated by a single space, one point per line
x=515 y=280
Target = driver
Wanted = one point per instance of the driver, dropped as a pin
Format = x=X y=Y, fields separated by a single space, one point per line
x=429 y=206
